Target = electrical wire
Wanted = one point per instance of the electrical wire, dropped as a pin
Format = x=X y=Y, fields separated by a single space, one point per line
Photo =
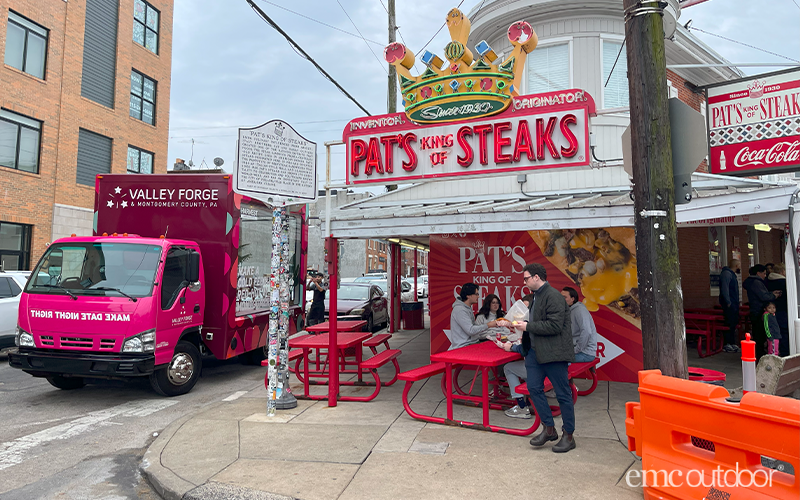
x=320 y=22
x=362 y=37
x=437 y=32
x=742 y=43
x=303 y=54
x=615 y=63
x=797 y=4
x=243 y=126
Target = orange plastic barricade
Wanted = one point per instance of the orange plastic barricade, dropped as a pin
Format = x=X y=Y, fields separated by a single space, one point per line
x=695 y=444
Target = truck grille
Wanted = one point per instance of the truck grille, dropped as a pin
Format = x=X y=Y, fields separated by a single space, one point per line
x=76 y=342
x=107 y=343
x=47 y=340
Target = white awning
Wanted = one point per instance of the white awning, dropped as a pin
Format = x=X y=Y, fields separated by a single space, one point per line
x=717 y=200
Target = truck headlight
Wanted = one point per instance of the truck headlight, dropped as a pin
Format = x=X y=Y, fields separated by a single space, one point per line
x=141 y=342
x=23 y=338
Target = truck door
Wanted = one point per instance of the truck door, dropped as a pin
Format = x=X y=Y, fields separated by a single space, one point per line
x=181 y=301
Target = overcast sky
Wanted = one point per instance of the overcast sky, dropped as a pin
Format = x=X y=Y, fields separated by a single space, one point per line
x=231 y=69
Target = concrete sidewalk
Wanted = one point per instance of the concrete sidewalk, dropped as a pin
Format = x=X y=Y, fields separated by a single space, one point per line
x=376 y=451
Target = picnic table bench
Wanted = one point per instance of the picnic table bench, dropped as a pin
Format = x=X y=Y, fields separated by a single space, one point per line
x=484 y=356
x=705 y=327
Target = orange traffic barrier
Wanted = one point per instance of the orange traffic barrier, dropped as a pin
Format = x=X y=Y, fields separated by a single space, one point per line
x=697 y=444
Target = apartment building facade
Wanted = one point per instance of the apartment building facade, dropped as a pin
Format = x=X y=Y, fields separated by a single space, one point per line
x=85 y=91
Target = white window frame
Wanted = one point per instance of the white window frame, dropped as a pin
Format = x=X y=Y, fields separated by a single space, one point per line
x=547 y=43
x=615 y=39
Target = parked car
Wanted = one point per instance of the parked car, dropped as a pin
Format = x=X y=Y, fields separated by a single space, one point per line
x=361 y=301
x=422 y=285
x=11 y=285
x=407 y=295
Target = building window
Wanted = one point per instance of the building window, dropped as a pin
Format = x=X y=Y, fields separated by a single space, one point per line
x=139 y=161
x=26 y=45
x=20 y=137
x=615 y=94
x=145 y=25
x=143 y=98
x=549 y=69
x=15 y=246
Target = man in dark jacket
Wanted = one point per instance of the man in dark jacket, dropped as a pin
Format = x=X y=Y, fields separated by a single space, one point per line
x=758 y=297
x=547 y=348
x=729 y=300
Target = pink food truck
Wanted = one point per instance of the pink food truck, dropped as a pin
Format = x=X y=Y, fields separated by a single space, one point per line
x=178 y=267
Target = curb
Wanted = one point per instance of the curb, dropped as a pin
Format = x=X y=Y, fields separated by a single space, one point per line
x=164 y=481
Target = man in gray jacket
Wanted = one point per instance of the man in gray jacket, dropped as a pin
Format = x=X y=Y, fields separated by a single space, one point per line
x=463 y=329
x=547 y=348
x=584 y=333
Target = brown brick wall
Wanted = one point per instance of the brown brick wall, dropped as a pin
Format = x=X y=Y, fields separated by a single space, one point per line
x=57 y=102
x=769 y=247
x=693 y=258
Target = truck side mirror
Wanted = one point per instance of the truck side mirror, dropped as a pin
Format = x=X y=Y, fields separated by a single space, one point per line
x=193 y=273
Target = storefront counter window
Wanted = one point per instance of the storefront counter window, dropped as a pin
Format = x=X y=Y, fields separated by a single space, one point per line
x=716 y=243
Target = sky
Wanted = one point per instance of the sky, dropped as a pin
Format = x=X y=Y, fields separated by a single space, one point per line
x=230 y=69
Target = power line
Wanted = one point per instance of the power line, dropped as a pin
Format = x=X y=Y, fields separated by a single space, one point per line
x=797 y=4
x=303 y=53
x=437 y=32
x=243 y=126
x=742 y=43
x=319 y=22
x=615 y=63
x=362 y=37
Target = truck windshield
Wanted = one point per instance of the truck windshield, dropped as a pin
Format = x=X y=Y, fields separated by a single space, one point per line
x=96 y=269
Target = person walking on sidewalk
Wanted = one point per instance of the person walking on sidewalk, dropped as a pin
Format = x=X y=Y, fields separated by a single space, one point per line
x=584 y=333
x=547 y=348
x=729 y=300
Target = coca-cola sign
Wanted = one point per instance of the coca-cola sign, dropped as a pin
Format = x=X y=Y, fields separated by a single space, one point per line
x=754 y=125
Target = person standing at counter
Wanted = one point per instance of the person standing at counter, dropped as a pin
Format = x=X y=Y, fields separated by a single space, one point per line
x=729 y=300
x=758 y=296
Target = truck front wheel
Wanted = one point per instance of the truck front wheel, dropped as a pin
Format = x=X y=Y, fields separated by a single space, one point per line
x=66 y=383
x=180 y=375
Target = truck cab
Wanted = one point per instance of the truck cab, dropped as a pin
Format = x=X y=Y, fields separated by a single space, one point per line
x=113 y=306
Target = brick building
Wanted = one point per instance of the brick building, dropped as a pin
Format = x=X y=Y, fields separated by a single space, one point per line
x=85 y=91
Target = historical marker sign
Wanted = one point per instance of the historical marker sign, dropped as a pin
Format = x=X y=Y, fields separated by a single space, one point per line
x=275 y=164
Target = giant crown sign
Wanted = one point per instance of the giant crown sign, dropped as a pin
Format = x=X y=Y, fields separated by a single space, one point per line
x=466 y=117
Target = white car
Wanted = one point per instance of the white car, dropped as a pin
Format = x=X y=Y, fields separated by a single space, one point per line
x=11 y=285
x=422 y=285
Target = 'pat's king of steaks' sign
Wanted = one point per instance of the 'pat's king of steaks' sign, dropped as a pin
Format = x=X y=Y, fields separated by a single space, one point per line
x=466 y=117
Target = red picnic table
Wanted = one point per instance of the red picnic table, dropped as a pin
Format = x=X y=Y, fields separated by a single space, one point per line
x=343 y=341
x=341 y=326
x=705 y=327
x=484 y=355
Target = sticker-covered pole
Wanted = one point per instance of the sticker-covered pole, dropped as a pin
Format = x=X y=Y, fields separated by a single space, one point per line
x=285 y=399
x=274 y=296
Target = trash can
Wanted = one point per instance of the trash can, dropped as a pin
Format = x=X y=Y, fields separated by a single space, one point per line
x=412 y=315
x=706 y=376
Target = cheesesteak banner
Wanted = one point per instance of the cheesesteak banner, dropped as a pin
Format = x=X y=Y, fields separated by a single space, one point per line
x=536 y=131
x=754 y=125
x=599 y=263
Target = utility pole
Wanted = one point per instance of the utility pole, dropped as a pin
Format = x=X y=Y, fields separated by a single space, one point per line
x=391 y=103
x=391 y=95
x=660 y=296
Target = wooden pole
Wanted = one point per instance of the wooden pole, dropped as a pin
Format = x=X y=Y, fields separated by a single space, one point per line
x=661 y=300
x=391 y=103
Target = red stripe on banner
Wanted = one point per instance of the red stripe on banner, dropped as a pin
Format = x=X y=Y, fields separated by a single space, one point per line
x=746 y=93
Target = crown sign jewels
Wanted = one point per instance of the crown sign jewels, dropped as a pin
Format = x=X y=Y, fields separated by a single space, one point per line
x=457 y=97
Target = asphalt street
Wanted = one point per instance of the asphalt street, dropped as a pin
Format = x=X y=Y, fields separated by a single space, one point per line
x=86 y=444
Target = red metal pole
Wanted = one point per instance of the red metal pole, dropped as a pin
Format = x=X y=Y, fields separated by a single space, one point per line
x=333 y=346
x=391 y=283
x=415 y=274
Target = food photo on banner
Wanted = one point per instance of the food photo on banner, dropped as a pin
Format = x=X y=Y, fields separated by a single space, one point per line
x=600 y=263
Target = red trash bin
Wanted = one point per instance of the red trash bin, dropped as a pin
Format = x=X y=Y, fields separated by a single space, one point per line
x=412 y=316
